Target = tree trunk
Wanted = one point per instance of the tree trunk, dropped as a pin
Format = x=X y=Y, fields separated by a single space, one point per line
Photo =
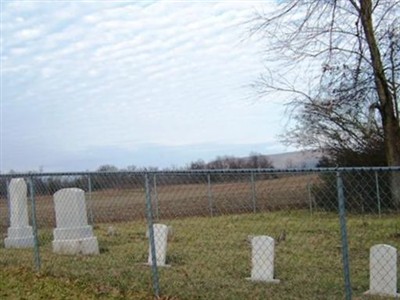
x=390 y=123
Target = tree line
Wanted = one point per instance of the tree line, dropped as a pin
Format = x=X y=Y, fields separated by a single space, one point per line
x=111 y=177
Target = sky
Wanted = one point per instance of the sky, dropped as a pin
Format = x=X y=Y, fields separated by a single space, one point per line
x=145 y=83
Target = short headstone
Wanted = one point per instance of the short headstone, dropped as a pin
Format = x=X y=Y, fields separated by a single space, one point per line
x=383 y=271
x=170 y=233
x=160 y=241
x=73 y=235
x=19 y=234
x=262 y=259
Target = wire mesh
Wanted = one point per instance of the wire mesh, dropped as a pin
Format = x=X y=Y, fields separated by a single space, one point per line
x=215 y=234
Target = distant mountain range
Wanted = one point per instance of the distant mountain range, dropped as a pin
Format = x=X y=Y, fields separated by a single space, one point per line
x=297 y=159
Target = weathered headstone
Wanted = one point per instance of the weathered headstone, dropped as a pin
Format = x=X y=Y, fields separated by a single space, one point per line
x=383 y=271
x=73 y=235
x=19 y=234
x=262 y=259
x=160 y=241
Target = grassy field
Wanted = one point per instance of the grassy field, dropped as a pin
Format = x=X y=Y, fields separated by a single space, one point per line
x=182 y=200
x=209 y=258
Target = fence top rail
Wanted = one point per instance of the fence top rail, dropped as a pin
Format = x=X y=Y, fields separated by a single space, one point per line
x=208 y=171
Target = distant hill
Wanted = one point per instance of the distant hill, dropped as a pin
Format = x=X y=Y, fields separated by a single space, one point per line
x=297 y=159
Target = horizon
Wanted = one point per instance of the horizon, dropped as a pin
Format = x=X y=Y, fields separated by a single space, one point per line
x=283 y=160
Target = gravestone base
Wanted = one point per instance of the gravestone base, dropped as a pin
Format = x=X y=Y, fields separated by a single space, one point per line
x=84 y=246
x=276 y=281
x=369 y=293
x=19 y=237
x=73 y=233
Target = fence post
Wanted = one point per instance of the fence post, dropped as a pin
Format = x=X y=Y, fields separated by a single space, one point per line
x=90 y=208
x=253 y=192
x=34 y=225
x=156 y=196
x=209 y=193
x=343 y=233
x=149 y=216
x=378 y=194
x=310 y=200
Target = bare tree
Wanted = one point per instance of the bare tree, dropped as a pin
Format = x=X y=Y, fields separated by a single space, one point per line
x=351 y=101
x=197 y=165
x=253 y=161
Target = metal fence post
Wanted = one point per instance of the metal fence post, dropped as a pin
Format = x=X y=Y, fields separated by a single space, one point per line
x=253 y=192
x=34 y=225
x=149 y=216
x=156 y=197
x=209 y=193
x=378 y=194
x=90 y=208
x=310 y=200
x=343 y=233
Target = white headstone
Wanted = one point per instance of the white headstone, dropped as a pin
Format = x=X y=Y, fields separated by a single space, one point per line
x=262 y=259
x=20 y=234
x=160 y=241
x=383 y=271
x=73 y=235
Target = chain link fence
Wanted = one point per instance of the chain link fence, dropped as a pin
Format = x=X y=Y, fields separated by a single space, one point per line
x=208 y=234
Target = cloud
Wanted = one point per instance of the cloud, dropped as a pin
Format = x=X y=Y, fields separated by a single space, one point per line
x=94 y=74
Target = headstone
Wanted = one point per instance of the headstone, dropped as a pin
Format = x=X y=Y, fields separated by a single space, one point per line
x=19 y=234
x=73 y=235
x=171 y=233
x=160 y=241
x=262 y=259
x=383 y=271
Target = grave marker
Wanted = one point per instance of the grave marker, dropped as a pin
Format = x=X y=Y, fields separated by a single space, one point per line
x=19 y=234
x=73 y=235
x=383 y=271
x=262 y=259
x=160 y=241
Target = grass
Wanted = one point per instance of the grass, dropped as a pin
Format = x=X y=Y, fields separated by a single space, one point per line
x=209 y=258
x=21 y=283
x=182 y=200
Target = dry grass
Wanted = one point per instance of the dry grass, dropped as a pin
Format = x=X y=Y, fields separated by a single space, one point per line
x=182 y=200
x=210 y=258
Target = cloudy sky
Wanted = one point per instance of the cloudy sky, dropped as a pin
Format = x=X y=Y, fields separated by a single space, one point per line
x=161 y=83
